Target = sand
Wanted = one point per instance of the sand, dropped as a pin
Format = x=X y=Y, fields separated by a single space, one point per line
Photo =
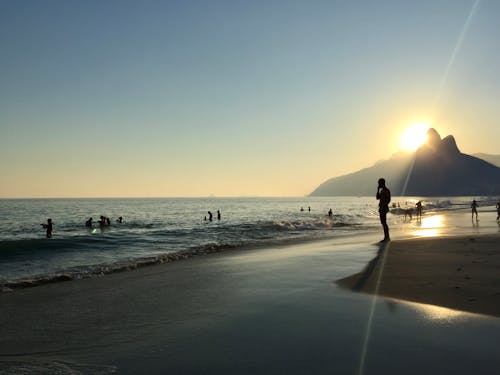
x=461 y=273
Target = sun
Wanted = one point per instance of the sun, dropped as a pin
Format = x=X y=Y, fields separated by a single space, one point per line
x=414 y=136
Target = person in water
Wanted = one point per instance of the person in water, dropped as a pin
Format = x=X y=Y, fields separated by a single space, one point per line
x=384 y=197
x=210 y=216
x=49 y=226
x=88 y=223
x=330 y=212
x=218 y=215
x=119 y=220
x=474 y=208
x=102 y=221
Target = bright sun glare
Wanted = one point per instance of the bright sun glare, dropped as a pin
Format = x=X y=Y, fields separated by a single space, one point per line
x=414 y=136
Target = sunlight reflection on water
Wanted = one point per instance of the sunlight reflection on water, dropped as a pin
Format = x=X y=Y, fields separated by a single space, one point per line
x=430 y=226
x=438 y=313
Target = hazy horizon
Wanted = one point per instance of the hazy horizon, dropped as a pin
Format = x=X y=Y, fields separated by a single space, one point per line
x=233 y=99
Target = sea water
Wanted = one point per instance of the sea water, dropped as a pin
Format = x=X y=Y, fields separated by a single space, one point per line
x=157 y=230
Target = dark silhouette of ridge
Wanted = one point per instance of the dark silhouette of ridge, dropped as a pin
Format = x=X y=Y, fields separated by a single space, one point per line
x=437 y=168
x=492 y=159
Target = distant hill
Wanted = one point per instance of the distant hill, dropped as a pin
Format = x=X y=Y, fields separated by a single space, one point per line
x=492 y=159
x=437 y=168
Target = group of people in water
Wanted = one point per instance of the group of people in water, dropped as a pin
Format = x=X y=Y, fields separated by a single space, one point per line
x=383 y=195
x=211 y=216
x=103 y=221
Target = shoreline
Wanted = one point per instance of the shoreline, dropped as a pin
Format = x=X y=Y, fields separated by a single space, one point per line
x=459 y=272
x=95 y=271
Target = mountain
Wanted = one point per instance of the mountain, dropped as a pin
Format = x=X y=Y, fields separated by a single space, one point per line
x=492 y=159
x=437 y=168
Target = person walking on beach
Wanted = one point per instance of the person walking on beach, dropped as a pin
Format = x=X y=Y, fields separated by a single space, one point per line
x=384 y=197
x=419 y=210
x=218 y=215
x=474 y=208
x=49 y=226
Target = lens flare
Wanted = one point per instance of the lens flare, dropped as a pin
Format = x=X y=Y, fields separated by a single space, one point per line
x=414 y=136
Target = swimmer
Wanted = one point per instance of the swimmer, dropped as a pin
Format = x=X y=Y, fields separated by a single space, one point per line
x=49 y=226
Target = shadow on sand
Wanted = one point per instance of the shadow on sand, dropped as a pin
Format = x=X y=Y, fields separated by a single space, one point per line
x=358 y=281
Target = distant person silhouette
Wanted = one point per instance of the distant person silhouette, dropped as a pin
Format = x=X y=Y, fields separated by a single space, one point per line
x=119 y=220
x=498 y=211
x=419 y=210
x=309 y=208
x=49 y=226
x=218 y=215
x=474 y=208
x=88 y=223
x=330 y=212
x=384 y=196
x=301 y=209
x=210 y=216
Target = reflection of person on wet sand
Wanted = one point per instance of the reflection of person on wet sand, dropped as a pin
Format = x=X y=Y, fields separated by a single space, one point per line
x=474 y=208
x=384 y=196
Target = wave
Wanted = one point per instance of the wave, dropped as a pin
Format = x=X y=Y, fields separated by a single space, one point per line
x=32 y=262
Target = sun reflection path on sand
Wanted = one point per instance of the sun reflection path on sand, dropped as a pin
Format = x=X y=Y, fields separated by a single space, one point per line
x=437 y=313
x=430 y=226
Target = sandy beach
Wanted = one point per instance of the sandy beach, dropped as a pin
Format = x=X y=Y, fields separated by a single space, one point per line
x=458 y=273
x=269 y=311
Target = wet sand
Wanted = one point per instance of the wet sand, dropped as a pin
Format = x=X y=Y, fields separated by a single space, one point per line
x=460 y=273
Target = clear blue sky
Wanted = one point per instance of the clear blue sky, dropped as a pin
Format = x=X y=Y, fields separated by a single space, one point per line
x=191 y=98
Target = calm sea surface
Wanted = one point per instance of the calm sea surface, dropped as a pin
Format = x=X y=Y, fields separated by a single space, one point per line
x=154 y=228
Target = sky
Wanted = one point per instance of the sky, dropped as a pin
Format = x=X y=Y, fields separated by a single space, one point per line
x=234 y=98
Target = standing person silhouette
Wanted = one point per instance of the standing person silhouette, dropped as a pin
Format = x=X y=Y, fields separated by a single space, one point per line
x=218 y=215
x=419 y=210
x=474 y=208
x=498 y=211
x=210 y=216
x=384 y=196
x=50 y=227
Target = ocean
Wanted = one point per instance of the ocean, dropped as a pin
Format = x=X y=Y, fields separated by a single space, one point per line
x=156 y=230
